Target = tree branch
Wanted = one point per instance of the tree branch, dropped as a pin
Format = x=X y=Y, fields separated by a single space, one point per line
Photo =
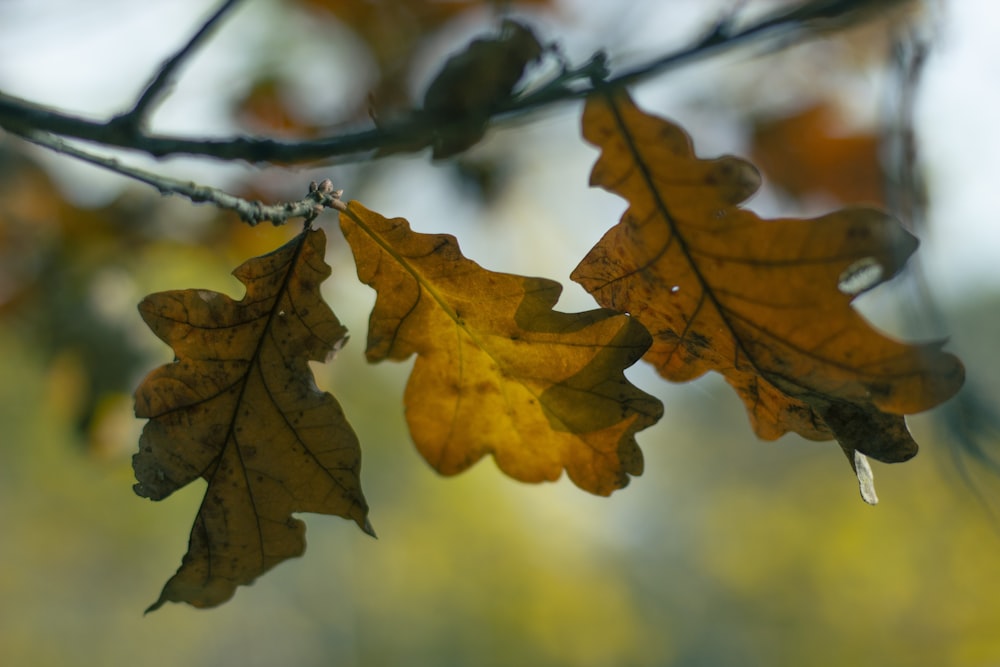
x=806 y=20
x=157 y=87
x=320 y=196
x=22 y=116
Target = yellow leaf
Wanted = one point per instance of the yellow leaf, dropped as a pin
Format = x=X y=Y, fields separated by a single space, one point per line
x=498 y=371
x=765 y=303
x=239 y=408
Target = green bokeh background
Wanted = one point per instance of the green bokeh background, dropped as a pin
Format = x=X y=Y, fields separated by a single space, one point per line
x=726 y=552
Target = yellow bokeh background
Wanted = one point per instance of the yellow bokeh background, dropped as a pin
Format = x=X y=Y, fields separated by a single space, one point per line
x=726 y=551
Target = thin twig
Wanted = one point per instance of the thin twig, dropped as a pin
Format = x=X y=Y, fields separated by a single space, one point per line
x=320 y=196
x=807 y=19
x=164 y=77
x=21 y=116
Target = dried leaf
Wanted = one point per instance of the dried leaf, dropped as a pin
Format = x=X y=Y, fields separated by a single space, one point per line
x=498 y=371
x=473 y=82
x=267 y=109
x=239 y=408
x=758 y=301
x=395 y=32
x=807 y=152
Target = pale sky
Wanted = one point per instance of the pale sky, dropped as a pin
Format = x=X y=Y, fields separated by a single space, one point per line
x=94 y=57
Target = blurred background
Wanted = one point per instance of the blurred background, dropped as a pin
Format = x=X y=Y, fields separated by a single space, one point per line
x=727 y=551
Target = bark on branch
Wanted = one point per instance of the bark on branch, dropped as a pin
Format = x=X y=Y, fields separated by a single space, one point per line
x=126 y=131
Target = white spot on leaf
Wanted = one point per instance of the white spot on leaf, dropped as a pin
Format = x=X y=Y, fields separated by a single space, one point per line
x=207 y=296
x=866 y=479
x=860 y=276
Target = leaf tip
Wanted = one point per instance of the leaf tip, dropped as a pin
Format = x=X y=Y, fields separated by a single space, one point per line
x=156 y=605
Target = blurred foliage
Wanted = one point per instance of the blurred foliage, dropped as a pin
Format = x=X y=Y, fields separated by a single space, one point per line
x=70 y=277
x=732 y=552
x=395 y=30
x=807 y=153
x=267 y=109
x=394 y=33
x=727 y=551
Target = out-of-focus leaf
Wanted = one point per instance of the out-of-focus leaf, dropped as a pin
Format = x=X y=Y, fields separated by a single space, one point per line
x=498 y=371
x=804 y=153
x=765 y=303
x=474 y=81
x=395 y=29
x=266 y=110
x=58 y=263
x=239 y=408
x=470 y=85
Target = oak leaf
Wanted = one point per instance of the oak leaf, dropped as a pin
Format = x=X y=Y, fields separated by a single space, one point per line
x=471 y=83
x=395 y=32
x=239 y=408
x=498 y=371
x=766 y=303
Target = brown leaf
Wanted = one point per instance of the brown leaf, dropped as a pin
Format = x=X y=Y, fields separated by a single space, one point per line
x=239 y=408
x=498 y=371
x=395 y=32
x=476 y=80
x=765 y=303
x=806 y=152
x=267 y=109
